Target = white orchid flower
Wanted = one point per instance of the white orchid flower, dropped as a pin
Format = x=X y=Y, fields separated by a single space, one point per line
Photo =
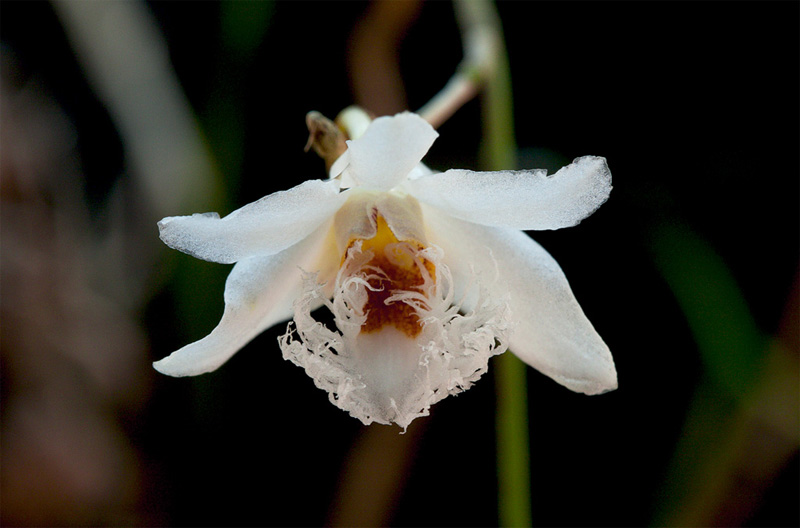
x=427 y=275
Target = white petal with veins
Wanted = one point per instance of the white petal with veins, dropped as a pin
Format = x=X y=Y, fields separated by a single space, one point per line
x=551 y=332
x=259 y=292
x=519 y=199
x=261 y=228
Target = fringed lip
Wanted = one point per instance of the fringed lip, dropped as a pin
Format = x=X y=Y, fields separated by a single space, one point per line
x=372 y=365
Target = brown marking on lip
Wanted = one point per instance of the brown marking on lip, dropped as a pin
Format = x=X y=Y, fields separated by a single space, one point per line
x=400 y=272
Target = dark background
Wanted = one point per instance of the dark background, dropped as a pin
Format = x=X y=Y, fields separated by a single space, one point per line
x=695 y=106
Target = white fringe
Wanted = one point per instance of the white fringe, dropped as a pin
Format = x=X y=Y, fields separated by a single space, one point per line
x=385 y=376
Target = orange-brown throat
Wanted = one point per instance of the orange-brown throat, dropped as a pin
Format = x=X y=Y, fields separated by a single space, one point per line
x=402 y=270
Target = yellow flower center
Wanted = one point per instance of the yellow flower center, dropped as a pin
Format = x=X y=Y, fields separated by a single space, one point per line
x=402 y=269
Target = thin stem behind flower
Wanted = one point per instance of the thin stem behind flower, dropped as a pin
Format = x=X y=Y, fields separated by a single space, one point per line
x=485 y=66
x=482 y=40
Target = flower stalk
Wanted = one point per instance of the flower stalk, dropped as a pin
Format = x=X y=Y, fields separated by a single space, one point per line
x=485 y=67
x=513 y=442
x=482 y=41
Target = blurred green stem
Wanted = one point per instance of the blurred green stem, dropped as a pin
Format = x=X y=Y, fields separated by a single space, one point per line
x=485 y=66
x=513 y=461
x=513 y=446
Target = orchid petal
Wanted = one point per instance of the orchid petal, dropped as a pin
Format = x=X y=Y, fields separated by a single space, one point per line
x=519 y=199
x=389 y=150
x=551 y=332
x=259 y=292
x=392 y=372
x=264 y=227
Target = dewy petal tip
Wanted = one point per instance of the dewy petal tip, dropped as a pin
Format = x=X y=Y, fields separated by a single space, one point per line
x=426 y=275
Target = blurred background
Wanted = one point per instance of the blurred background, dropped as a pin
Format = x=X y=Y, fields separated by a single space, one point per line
x=116 y=114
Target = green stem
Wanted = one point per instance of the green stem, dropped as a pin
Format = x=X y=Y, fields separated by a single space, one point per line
x=513 y=445
x=513 y=462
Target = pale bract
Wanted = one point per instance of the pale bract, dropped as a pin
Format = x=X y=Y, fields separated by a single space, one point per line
x=426 y=275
